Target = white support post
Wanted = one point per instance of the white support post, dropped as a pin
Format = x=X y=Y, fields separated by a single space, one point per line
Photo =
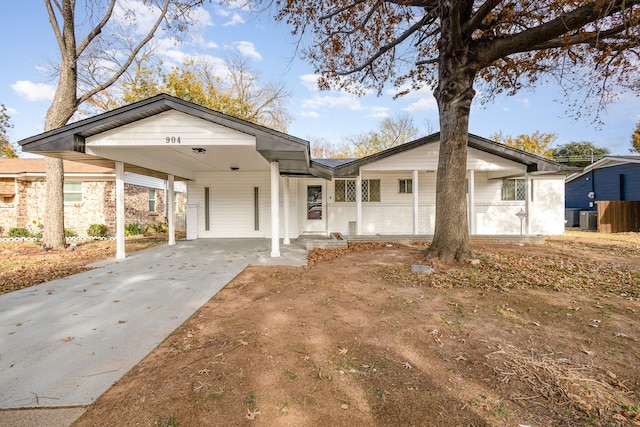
x=414 y=189
x=120 y=252
x=527 y=204
x=285 y=191
x=359 y=204
x=472 y=202
x=170 y=208
x=275 y=210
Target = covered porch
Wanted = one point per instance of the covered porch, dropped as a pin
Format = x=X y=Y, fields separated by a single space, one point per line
x=175 y=140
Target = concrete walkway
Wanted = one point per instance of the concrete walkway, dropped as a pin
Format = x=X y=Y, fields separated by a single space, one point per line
x=65 y=342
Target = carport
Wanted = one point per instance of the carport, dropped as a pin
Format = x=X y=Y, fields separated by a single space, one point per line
x=171 y=139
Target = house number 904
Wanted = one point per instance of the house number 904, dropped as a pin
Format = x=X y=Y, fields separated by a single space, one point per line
x=172 y=140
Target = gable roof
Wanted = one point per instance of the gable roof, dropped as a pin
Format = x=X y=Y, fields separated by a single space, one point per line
x=606 y=161
x=68 y=142
x=533 y=162
x=21 y=166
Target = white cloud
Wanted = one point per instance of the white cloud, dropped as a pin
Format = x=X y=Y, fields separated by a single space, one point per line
x=524 y=101
x=248 y=49
x=235 y=20
x=309 y=114
x=350 y=102
x=422 y=104
x=380 y=112
x=310 y=81
x=34 y=91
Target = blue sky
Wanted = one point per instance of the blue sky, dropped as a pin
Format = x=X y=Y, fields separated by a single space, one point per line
x=27 y=46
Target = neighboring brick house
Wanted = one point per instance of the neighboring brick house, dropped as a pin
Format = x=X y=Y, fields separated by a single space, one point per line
x=89 y=194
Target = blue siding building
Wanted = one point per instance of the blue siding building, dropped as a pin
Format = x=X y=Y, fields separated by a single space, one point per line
x=610 y=178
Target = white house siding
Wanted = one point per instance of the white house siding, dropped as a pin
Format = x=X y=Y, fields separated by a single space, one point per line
x=394 y=213
x=547 y=206
x=231 y=204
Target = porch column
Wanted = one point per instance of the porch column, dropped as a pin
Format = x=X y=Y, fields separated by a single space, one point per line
x=359 y=204
x=285 y=190
x=472 y=202
x=170 y=208
x=275 y=210
x=527 y=204
x=414 y=190
x=120 y=253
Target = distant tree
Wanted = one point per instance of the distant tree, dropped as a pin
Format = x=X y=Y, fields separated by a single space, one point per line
x=537 y=143
x=98 y=40
x=578 y=154
x=7 y=149
x=635 y=139
x=392 y=131
x=235 y=89
x=323 y=149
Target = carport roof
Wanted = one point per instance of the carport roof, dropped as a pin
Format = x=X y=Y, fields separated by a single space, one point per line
x=68 y=142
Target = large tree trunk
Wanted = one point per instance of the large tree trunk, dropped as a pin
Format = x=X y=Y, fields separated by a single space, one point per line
x=454 y=95
x=62 y=108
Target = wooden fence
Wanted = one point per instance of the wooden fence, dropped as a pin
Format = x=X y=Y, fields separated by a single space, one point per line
x=618 y=216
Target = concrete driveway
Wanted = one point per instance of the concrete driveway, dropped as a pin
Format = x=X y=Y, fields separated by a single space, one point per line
x=65 y=342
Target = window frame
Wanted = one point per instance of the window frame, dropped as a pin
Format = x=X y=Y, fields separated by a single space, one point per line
x=511 y=194
x=66 y=191
x=405 y=186
x=152 y=191
x=342 y=195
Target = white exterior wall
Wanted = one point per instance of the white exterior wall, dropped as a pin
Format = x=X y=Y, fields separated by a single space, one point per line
x=493 y=216
x=547 y=206
x=394 y=213
x=231 y=205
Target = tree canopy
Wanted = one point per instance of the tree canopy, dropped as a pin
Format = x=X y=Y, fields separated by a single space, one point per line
x=235 y=89
x=7 y=149
x=455 y=46
x=537 y=143
x=392 y=131
x=578 y=154
x=635 y=139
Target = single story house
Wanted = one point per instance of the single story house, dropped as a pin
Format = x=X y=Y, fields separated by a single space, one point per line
x=247 y=181
x=610 y=178
x=89 y=196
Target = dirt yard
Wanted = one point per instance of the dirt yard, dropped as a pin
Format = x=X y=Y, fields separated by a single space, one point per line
x=24 y=264
x=540 y=335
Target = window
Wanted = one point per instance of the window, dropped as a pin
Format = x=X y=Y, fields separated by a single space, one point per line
x=346 y=190
x=513 y=189
x=72 y=192
x=405 y=186
x=152 y=200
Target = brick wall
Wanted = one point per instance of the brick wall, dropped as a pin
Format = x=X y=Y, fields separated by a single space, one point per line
x=97 y=206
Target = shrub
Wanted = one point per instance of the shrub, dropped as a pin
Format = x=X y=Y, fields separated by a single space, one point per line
x=69 y=233
x=158 y=228
x=133 y=229
x=19 y=232
x=97 y=230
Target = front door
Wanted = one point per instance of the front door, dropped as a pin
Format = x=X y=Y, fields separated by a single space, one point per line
x=315 y=208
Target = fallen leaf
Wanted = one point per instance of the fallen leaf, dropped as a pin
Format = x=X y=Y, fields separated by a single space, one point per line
x=243 y=342
x=122 y=321
x=67 y=339
x=344 y=406
x=406 y=365
x=343 y=350
x=251 y=415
